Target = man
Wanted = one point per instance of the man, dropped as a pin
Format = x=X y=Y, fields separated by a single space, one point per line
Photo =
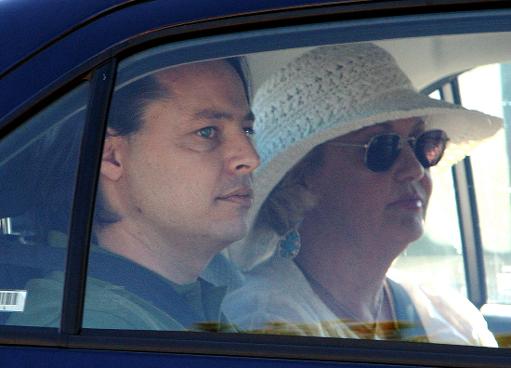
x=174 y=190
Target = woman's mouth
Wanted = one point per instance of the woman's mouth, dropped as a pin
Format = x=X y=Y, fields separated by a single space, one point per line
x=411 y=204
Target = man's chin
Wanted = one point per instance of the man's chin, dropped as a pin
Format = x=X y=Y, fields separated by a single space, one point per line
x=231 y=232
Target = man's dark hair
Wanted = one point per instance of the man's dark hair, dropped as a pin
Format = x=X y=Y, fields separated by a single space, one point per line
x=129 y=101
x=127 y=108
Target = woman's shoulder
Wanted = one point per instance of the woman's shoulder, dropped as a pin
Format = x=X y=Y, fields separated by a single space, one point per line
x=277 y=298
x=276 y=286
x=447 y=315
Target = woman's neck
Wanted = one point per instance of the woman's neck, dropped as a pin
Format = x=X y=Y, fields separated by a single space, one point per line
x=351 y=270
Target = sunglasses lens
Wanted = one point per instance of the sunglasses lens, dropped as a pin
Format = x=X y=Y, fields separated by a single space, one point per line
x=430 y=147
x=382 y=152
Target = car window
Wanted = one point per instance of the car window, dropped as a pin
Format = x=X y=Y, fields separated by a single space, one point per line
x=491 y=176
x=38 y=162
x=175 y=246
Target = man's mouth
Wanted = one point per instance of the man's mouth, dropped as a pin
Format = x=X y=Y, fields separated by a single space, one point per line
x=241 y=196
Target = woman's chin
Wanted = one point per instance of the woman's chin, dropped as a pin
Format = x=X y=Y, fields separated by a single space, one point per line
x=409 y=229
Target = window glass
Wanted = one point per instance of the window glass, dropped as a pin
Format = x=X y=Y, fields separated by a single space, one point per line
x=436 y=95
x=38 y=163
x=322 y=232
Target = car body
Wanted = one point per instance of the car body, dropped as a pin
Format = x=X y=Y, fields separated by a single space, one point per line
x=50 y=49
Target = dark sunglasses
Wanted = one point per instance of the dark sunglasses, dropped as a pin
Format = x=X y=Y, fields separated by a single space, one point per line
x=383 y=150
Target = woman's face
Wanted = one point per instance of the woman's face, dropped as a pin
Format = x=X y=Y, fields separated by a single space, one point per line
x=367 y=206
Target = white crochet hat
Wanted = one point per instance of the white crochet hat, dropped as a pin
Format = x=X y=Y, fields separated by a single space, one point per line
x=331 y=91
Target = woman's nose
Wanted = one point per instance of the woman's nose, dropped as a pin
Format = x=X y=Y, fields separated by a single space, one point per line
x=408 y=167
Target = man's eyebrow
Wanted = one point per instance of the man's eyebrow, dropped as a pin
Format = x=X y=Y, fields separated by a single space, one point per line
x=211 y=114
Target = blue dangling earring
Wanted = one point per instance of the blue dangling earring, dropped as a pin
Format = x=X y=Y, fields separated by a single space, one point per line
x=290 y=244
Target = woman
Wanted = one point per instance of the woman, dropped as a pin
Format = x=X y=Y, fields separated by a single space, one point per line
x=346 y=144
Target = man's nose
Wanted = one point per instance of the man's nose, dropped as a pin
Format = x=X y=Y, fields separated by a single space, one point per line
x=242 y=157
x=408 y=167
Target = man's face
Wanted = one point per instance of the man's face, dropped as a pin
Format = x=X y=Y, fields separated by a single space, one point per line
x=185 y=176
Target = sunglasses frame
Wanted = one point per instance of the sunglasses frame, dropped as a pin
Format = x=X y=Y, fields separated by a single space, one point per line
x=412 y=141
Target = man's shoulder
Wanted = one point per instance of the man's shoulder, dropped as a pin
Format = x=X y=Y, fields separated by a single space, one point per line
x=112 y=306
x=106 y=306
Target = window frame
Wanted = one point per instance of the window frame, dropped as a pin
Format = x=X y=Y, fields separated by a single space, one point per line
x=102 y=85
x=341 y=350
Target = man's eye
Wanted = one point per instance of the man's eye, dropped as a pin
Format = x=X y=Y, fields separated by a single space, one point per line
x=207 y=132
x=249 y=131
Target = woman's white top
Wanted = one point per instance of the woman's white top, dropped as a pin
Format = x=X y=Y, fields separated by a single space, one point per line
x=276 y=298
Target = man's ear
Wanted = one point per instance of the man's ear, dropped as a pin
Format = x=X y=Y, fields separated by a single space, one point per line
x=112 y=159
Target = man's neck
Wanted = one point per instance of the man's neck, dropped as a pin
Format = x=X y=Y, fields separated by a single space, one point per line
x=179 y=261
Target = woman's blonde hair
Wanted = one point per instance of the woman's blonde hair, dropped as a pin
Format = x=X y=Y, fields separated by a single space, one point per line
x=288 y=202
